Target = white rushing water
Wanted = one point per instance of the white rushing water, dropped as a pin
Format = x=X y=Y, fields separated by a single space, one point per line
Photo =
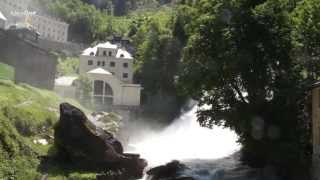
x=185 y=139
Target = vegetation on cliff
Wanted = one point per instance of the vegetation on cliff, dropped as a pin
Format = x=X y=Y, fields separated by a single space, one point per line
x=27 y=115
x=6 y=72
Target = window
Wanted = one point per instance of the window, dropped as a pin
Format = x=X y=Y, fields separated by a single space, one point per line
x=112 y=64
x=99 y=63
x=125 y=65
x=110 y=53
x=90 y=62
x=98 y=87
x=92 y=53
x=104 y=53
x=103 y=63
x=121 y=55
x=125 y=75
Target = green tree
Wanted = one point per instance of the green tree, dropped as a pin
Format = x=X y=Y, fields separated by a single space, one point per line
x=239 y=61
x=306 y=19
x=68 y=66
x=158 y=60
x=84 y=87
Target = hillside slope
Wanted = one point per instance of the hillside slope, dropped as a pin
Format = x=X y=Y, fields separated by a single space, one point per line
x=27 y=114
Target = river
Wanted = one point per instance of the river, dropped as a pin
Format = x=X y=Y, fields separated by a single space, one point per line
x=211 y=154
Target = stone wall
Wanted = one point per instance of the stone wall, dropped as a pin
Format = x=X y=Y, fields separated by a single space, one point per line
x=68 y=48
x=33 y=65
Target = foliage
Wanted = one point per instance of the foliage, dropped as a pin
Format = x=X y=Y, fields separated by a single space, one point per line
x=6 y=72
x=26 y=114
x=123 y=7
x=157 y=62
x=86 y=22
x=68 y=66
x=85 y=90
x=239 y=61
x=306 y=33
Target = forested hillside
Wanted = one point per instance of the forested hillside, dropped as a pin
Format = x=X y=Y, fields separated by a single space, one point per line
x=157 y=34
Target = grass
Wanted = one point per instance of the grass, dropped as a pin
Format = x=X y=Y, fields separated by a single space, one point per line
x=6 y=72
x=26 y=114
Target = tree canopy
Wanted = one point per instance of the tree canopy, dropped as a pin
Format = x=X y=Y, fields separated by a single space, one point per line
x=241 y=64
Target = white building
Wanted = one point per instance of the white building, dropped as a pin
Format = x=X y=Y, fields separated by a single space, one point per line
x=110 y=69
x=109 y=57
x=14 y=5
x=49 y=28
x=3 y=21
x=18 y=12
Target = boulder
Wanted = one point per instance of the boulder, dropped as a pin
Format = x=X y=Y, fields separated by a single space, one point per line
x=79 y=141
x=170 y=171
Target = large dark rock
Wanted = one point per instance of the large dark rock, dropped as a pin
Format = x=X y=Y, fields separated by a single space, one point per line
x=170 y=171
x=78 y=141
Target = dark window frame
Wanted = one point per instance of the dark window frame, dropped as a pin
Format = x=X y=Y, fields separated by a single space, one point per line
x=125 y=75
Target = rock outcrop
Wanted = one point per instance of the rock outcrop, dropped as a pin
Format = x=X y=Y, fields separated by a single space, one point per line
x=77 y=140
x=170 y=171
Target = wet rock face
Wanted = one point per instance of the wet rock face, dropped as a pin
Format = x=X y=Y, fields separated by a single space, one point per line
x=170 y=171
x=77 y=140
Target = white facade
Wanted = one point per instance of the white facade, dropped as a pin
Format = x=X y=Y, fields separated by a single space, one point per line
x=109 y=57
x=3 y=21
x=49 y=28
x=111 y=70
x=14 y=5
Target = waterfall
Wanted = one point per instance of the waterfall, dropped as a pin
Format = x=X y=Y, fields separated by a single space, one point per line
x=185 y=139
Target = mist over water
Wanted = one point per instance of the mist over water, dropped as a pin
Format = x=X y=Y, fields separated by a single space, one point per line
x=185 y=139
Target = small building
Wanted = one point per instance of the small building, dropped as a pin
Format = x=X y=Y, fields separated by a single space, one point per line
x=3 y=21
x=66 y=86
x=315 y=89
x=110 y=69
